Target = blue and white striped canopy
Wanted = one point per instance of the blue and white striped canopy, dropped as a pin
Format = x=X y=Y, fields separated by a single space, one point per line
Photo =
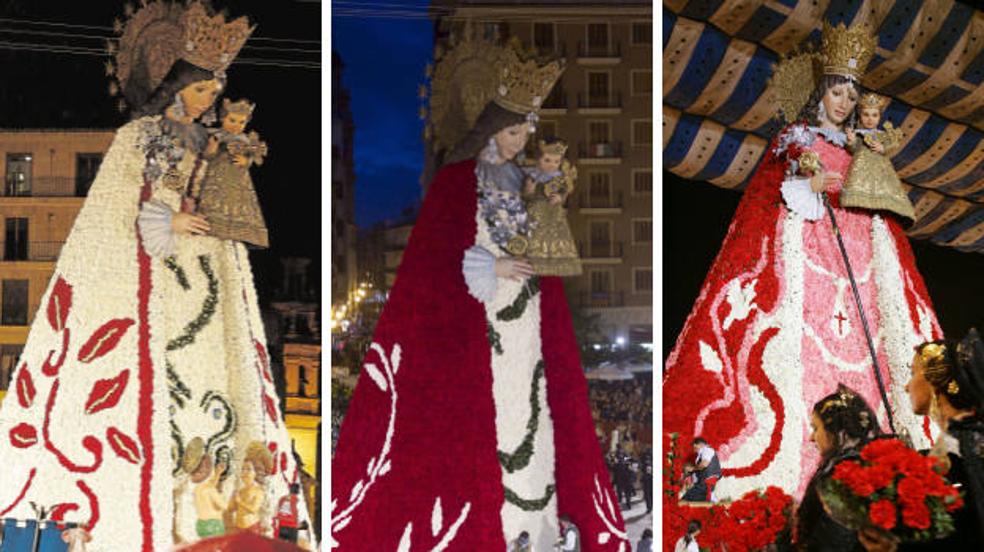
x=718 y=115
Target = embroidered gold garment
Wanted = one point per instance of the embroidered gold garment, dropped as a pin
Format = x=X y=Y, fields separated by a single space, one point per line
x=552 y=251
x=872 y=182
x=228 y=201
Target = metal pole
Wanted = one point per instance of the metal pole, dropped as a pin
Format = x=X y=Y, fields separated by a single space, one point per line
x=864 y=319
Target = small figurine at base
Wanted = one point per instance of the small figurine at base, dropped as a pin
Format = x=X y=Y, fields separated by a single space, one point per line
x=246 y=505
x=872 y=182
x=287 y=524
x=227 y=198
x=551 y=250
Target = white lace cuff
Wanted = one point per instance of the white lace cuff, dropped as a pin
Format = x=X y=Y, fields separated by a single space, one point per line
x=154 y=222
x=478 y=267
x=801 y=199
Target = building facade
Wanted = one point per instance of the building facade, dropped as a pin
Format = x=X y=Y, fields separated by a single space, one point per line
x=602 y=107
x=46 y=175
x=344 y=277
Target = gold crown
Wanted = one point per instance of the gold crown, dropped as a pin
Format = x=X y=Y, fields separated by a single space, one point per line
x=243 y=107
x=847 y=51
x=524 y=84
x=558 y=148
x=210 y=42
x=872 y=100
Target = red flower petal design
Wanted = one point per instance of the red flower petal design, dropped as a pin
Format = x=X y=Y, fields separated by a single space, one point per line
x=283 y=461
x=23 y=436
x=270 y=408
x=264 y=360
x=25 y=387
x=104 y=339
x=59 y=511
x=124 y=446
x=51 y=369
x=106 y=393
x=59 y=303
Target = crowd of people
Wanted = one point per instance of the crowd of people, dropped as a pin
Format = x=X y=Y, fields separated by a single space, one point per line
x=623 y=400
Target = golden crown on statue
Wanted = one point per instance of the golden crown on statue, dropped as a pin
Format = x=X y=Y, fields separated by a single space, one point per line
x=523 y=83
x=557 y=148
x=210 y=42
x=871 y=99
x=847 y=51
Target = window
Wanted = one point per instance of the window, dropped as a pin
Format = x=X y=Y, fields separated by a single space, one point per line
x=599 y=132
x=600 y=239
x=642 y=182
x=15 y=240
x=642 y=230
x=544 y=37
x=642 y=33
x=599 y=189
x=642 y=82
x=18 y=179
x=86 y=169
x=14 y=303
x=601 y=282
x=8 y=361
x=597 y=37
x=642 y=132
x=642 y=280
x=491 y=32
x=598 y=88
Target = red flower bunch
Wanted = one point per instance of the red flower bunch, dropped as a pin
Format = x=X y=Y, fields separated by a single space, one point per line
x=673 y=465
x=894 y=488
x=753 y=522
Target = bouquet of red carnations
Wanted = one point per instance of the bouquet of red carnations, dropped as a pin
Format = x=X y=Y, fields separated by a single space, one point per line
x=893 y=488
x=754 y=522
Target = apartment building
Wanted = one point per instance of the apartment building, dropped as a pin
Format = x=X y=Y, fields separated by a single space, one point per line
x=46 y=175
x=344 y=279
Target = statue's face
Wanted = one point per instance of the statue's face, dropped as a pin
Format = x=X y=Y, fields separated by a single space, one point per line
x=234 y=123
x=550 y=162
x=248 y=473
x=870 y=117
x=198 y=96
x=839 y=101
x=203 y=470
x=512 y=139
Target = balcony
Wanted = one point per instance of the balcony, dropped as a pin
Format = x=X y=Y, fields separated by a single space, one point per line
x=599 y=104
x=602 y=299
x=600 y=204
x=31 y=251
x=600 y=252
x=599 y=54
x=600 y=153
x=45 y=186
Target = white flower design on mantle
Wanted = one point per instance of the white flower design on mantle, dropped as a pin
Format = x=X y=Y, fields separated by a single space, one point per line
x=378 y=466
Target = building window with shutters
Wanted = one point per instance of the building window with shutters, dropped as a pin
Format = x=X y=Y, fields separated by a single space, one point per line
x=642 y=280
x=642 y=231
x=17 y=181
x=642 y=33
x=86 y=169
x=642 y=182
x=642 y=82
x=14 y=306
x=544 y=37
x=15 y=245
x=9 y=354
x=642 y=132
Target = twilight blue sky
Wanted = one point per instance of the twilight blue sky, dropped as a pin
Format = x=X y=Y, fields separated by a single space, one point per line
x=384 y=61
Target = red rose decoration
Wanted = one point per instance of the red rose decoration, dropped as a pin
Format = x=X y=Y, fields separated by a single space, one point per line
x=23 y=436
x=883 y=514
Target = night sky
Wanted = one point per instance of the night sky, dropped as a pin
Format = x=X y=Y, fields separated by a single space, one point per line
x=696 y=216
x=61 y=90
x=384 y=61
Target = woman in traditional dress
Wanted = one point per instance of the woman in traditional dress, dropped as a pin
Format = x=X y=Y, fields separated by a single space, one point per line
x=149 y=336
x=842 y=423
x=470 y=421
x=776 y=326
x=947 y=385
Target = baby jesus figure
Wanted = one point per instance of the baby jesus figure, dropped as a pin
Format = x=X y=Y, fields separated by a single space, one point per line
x=551 y=251
x=872 y=182
x=227 y=198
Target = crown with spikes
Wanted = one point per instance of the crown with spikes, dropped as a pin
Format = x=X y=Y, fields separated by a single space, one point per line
x=847 y=51
x=161 y=32
x=210 y=42
x=558 y=148
x=523 y=83
x=242 y=107
x=872 y=100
